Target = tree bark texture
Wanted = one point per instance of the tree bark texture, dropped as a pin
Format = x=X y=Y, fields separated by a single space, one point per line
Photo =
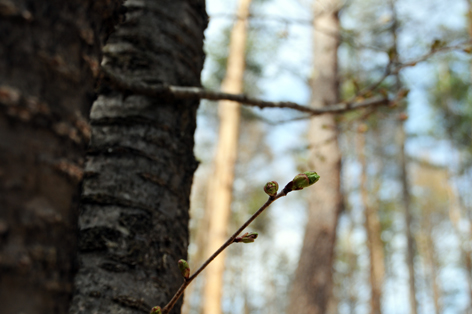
x=312 y=287
x=49 y=55
x=221 y=183
x=140 y=163
x=373 y=230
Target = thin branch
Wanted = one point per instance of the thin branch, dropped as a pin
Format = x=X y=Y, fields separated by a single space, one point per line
x=201 y=93
x=190 y=92
x=344 y=36
x=462 y=46
x=274 y=18
x=178 y=294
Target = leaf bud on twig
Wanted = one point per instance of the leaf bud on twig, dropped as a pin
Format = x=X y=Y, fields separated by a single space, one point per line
x=247 y=237
x=184 y=268
x=156 y=310
x=304 y=180
x=271 y=188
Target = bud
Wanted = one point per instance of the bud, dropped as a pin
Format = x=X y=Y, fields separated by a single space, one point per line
x=362 y=128
x=402 y=116
x=304 y=180
x=467 y=50
x=247 y=237
x=156 y=310
x=184 y=268
x=300 y=181
x=271 y=188
x=312 y=176
x=402 y=93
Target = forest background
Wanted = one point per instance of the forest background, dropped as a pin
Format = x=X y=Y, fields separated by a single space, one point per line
x=279 y=68
x=387 y=229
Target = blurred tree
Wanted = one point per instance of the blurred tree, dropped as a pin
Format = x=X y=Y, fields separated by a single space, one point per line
x=49 y=56
x=451 y=98
x=433 y=198
x=312 y=286
x=134 y=218
x=373 y=229
x=403 y=165
x=221 y=182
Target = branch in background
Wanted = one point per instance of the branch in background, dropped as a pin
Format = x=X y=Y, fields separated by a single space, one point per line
x=394 y=67
x=437 y=47
x=265 y=18
x=345 y=36
x=349 y=105
x=300 y=181
x=201 y=93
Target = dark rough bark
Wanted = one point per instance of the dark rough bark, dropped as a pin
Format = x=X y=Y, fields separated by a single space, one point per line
x=134 y=214
x=312 y=287
x=49 y=52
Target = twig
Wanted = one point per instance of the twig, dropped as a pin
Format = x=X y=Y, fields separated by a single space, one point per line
x=287 y=189
x=462 y=46
x=201 y=93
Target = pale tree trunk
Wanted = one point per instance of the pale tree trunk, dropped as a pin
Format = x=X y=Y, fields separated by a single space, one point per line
x=373 y=229
x=456 y=208
x=406 y=199
x=221 y=182
x=49 y=55
x=352 y=261
x=134 y=214
x=312 y=287
x=403 y=164
x=429 y=253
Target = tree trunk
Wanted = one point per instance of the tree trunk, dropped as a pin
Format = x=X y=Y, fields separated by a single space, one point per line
x=312 y=286
x=456 y=209
x=134 y=215
x=49 y=55
x=406 y=199
x=221 y=183
x=429 y=253
x=403 y=164
x=373 y=229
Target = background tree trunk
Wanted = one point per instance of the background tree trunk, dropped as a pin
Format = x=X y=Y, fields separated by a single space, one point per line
x=403 y=164
x=406 y=199
x=312 y=286
x=373 y=229
x=134 y=216
x=428 y=251
x=221 y=183
x=49 y=54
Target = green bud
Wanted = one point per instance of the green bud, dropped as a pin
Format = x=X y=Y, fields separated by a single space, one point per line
x=184 y=268
x=156 y=310
x=271 y=188
x=300 y=181
x=304 y=180
x=247 y=237
x=312 y=176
